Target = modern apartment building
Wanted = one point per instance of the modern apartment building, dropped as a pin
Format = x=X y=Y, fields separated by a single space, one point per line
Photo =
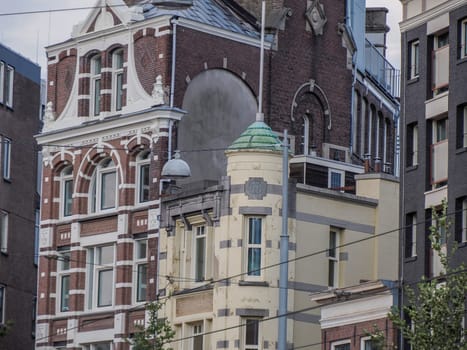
x=139 y=79
x=20 y=109
x=434 y=121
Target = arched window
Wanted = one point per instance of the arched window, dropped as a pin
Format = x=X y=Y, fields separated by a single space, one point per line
x=103 y=195
x=96 y=85
x=117 y=79
x=142 y=175
x=66 y=191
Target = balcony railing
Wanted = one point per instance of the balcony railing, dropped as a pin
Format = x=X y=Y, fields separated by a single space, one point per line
x=383 y=72
x=439 y=162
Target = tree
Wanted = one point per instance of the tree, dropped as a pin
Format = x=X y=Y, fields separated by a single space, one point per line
x=435 y=307
x=156 y=334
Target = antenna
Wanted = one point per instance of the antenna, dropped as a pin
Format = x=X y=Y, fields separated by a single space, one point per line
x=260 y=115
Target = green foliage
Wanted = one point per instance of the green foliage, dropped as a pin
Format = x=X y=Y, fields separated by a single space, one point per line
x=157 y=333
x=378 y=340
x=436 y=307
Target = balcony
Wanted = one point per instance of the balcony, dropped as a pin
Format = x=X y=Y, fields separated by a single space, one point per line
x=381 y=71
x=439 y=163
x=440 y=70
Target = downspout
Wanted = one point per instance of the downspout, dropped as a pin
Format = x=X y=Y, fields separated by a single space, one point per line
x=172 y=80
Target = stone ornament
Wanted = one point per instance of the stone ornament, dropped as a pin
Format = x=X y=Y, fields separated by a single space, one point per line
x=256 y=188
x=49 y=115
x=316 y=17
x=159 y=92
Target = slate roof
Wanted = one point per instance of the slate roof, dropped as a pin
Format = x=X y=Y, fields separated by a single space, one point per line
x=210 y=12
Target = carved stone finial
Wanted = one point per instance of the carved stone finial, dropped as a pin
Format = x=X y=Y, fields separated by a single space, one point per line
x=159 y=92
x=316 y=17
x=49 y=115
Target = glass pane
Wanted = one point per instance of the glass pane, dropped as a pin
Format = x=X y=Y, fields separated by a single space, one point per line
x=6 y=158
x=198 y=342
x=331 y=274
x=254 y=261
x=200 y=258
x=142 y=278
x=251 y=333
x=3 y=232
x=335 y=180
x=106 y=255
x=368 y=345
x=2 y=293
x=119 y=91
x=102 y=346
x=96 y=63
x=254 y=231
x=105 y=287
x=65 y=261
x=144 y=183
x=65 y=293
x=97 y=96
x=108 y=190
x=118 y=57
x=67 y=197
x=332 y=244
x=141 y=248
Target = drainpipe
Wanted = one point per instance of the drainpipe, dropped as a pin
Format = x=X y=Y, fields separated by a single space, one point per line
x=172 y=81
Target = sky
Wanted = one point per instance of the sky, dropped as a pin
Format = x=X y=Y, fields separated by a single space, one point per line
x=28 y=34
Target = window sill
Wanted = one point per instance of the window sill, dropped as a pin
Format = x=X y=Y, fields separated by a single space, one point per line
x=411 y=259
x=8 y=180
x=413 y=80
x=461 y=60
x=461 y=150
x=462 y=245
x=411 y=168
x=253 y=283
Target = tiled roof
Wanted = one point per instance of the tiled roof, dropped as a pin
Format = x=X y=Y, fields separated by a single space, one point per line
x=257 y=136
x=210 y=12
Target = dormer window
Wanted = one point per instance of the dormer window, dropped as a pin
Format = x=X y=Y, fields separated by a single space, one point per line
x=96 y=85
x=103 y=195
x=117 y=79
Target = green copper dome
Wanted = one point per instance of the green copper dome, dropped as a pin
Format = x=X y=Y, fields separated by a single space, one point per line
x=257 y=136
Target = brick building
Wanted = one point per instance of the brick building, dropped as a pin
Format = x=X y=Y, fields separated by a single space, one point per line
x=20 y=109
x=138 y=79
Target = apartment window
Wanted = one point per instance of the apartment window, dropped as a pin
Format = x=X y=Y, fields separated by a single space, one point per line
x=100 y=262
x=412 y=144
x=463 y=38
x=461 y=127
x=410 y=235
x=117 y=62
x=99 y=346
x=2 y=304
x=9 y=78
x=368 y=344
x=2 y=81
x=96 y=85
x=341 y=345
x=3 y=232
x=336 y=179
x=439 y=153
x=200 y=253
x=461 y=220
x=197 y=333
x=37 y=227
x=104 y=186
x=66 y=190
x=414 y=59
x=141 y=256
x=63 y=279
x=6 y=158
x=252 y=334
x=254 y=239
x=440 y=63
x=333 y=258
x=142 y=166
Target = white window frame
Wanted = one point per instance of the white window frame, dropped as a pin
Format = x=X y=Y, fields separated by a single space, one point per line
x=142 y=161
x=464 y=220
x=363 y=341
x=105 y=167
x=117 y=76
x=197 y=330
x=464 y=126
x=415 y=145
x=4 y=225
x=463 y=43
x=9 y=79
x=342 y=179
x=95 y=345
x=2 y=304
x=95 y=267
x=413 y=233
x=335 y=344
x=200 y=233
x=258 y=335
x=333 y=257
x=95 y=85
x=141 y=262
x=2 y=82
x=414 y=59
x=257 y=273
x=66 y=176
x=63 y=272
x=6 y=158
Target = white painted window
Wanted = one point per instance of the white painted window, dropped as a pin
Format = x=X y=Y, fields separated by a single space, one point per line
x=333 y=257
x=411 y=235
x=2 y=304
x=254 y=240
x=251 y=334
x=63 y=280
x=117 y=79
x=99 y=346
x=463 y=38
x=142 y=174
x=341 y=345
x=440 y=63
x=104 y=187
x=336 y=179
x=464 y=221
x=367 y=344
x=96 y=66
x=6 y=158
x=66 y=191
x=100 y=279
x=200 y=253
x=197 y=334
x=3 y=232
x=9 y=80
x=439 y=153
x=2 y=81
x=141 y=269
x=414 y=64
